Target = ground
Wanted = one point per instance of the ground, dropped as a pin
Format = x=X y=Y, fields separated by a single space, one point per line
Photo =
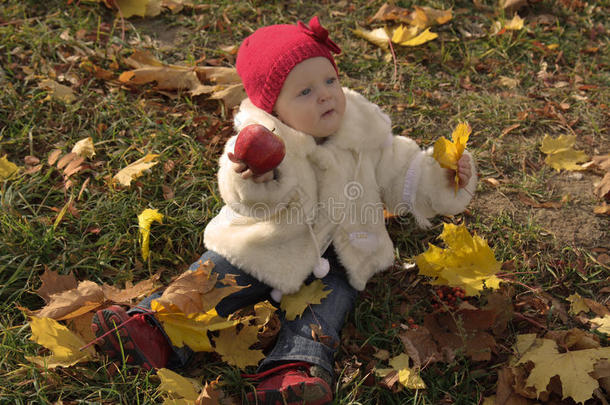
x=512 y=87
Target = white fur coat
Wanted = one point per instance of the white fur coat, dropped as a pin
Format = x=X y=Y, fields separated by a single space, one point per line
x=326 y=193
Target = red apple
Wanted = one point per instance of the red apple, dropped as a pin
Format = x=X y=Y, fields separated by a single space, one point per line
x=259 y=148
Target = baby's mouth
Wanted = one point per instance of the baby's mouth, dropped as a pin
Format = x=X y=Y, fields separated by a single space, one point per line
x=328 y=113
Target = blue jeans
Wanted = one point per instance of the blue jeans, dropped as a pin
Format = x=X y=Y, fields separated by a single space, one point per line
x=295 y=342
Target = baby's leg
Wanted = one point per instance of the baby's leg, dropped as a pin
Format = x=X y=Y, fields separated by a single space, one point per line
x=143 y=340
x=295 y=342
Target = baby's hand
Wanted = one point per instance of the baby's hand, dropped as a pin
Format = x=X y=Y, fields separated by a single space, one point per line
x=463 y=170
x=241 y=167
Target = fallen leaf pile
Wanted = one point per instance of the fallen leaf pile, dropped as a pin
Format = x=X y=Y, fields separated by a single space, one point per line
x=407 y=28
x=225 y=84
x=144 y=8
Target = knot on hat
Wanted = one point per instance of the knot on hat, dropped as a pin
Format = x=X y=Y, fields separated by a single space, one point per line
x=319 y=33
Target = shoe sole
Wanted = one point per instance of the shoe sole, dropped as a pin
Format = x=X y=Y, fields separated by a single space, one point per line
x=105 y=320
x=303 y=393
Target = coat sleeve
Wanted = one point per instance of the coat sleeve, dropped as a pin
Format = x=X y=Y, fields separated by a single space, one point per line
x=411 y=180
x=261 y=200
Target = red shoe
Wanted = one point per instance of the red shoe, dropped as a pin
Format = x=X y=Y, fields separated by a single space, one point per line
x=142 y=343
x=289 y=384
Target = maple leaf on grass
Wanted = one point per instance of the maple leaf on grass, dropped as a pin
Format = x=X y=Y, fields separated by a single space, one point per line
x=577 y=304
x=572 y=367
x=407 y=377
x=295 y=304
x=135 y=169
x=467 y=262
x=234 y=347
x=64 y=344
x=561 y=154
x=7 y=168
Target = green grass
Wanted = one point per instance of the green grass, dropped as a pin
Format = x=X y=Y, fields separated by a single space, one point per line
x=437 y=85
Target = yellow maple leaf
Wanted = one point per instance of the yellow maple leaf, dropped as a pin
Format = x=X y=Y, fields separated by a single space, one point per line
x=377 y=36
x=191 y=329
x=234 y=348
x=407 y=377
x=295 y=304
x=602 y=323
x=515 y=24
x=572 y=367
x=64 y=344
x=561 y=154
x=409 y=36
x=467 y=262
x=177 y=386
x=135 y=169
x=447 y=153
x=7 y=168
x=577 y=304
x=145 y=219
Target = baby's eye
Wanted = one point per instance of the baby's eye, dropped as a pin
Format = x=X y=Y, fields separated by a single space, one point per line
x=305 y=92
x=331 y=80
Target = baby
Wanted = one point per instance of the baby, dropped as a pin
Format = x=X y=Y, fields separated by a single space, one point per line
x=318 y=214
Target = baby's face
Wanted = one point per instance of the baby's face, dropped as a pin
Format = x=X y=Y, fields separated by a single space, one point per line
x=311 y=100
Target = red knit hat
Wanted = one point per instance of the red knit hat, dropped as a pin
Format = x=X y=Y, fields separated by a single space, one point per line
x=266 y=57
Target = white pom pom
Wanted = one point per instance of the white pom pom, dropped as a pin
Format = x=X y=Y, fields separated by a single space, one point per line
x=276 y=295
x=322 y=268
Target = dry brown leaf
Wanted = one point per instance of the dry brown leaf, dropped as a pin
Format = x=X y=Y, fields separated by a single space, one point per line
x=603 y=188
x=574 y=339
x=54 y=283
x=505 y=392
x=392 y=13
x=130 y=293
x=68 y=304
x=420 y=346
x=596 y=307
x=65 y=159
x=603 y=209
x=81 y=326
x=195 y=291
x=53 y=156
x=74 y=166
x=212 y=394
x=227 y=85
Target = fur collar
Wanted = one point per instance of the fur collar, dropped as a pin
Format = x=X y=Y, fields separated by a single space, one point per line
x=364 y=126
